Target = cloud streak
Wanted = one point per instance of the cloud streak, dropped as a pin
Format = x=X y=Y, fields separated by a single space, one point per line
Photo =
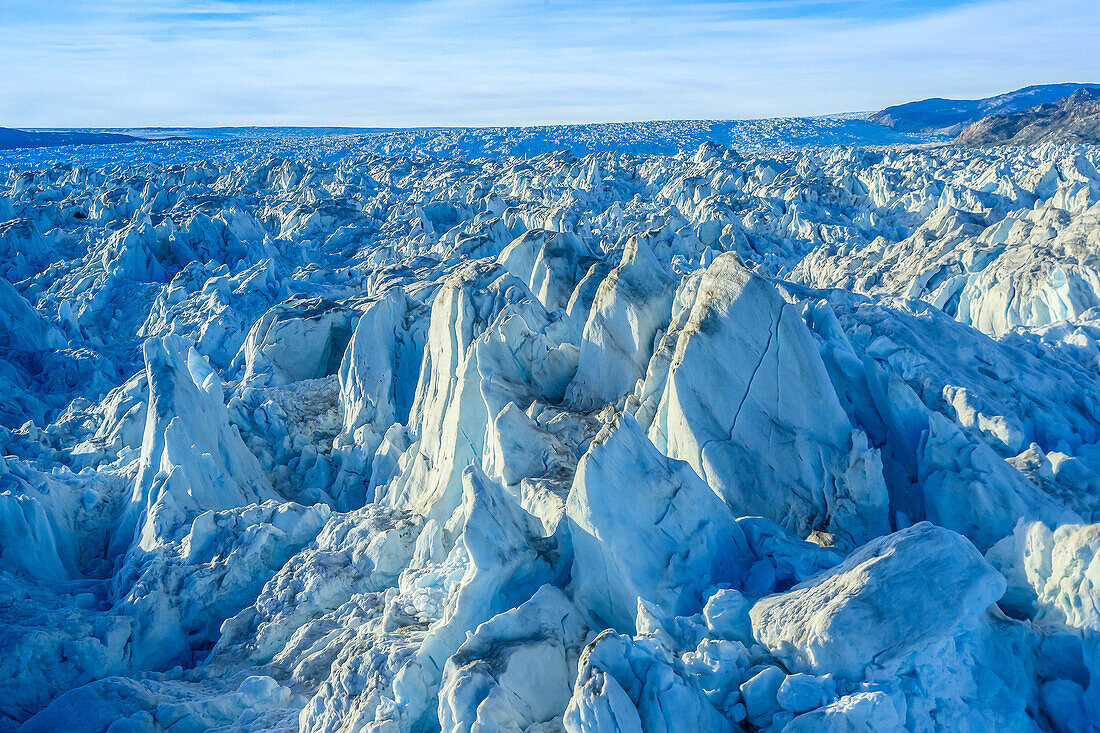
x=446 y=62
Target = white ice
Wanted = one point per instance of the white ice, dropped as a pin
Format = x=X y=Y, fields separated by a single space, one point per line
x=450 y=431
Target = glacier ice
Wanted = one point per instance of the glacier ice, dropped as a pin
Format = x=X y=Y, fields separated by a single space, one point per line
x=677 y=540
x=550 y=430
x=822 y=625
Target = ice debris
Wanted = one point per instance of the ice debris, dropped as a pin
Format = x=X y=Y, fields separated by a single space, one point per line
x=341 y=440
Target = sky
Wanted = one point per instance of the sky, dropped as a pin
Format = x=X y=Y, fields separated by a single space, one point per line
x=109 y=63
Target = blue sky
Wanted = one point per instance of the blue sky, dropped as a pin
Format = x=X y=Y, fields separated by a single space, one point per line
x=109 y=63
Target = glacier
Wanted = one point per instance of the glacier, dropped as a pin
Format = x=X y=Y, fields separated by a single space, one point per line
x=608 y=428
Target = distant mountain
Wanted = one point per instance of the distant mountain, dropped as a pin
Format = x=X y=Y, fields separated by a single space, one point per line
x=950 y=116
x=1075 y=119
x=11 y=139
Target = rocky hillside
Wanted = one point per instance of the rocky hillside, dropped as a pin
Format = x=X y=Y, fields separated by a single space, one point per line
x=950 y=116
x=1076 y=119
x=15 y=139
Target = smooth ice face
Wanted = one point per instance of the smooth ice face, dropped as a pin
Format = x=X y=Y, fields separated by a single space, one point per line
x=646 y=527
x=630 y=308
x=191 y=458
x=893 y=597
x=748 y=404
x=323 y=433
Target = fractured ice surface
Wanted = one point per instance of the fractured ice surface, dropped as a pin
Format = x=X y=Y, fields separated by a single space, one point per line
x=327 y=434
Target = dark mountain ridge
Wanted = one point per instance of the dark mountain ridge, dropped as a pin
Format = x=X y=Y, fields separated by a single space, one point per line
x=1075 y=119
x=950 y=116
x=11 y=139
